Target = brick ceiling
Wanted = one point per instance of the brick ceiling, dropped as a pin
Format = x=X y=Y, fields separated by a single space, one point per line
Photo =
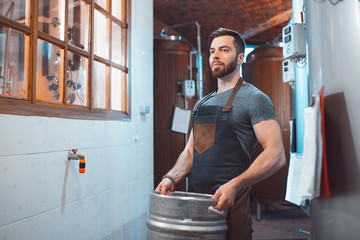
x=259 y=21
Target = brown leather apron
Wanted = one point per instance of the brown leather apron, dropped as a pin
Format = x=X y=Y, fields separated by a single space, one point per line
x=218 y=158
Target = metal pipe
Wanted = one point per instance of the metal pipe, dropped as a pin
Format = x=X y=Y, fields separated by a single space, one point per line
x=200 y=74
x=165 y=30
x=190 y=64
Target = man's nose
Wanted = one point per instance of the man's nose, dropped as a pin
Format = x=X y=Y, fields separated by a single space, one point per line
x=215 y=55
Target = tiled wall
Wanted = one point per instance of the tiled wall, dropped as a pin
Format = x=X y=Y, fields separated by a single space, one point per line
x=42 y=194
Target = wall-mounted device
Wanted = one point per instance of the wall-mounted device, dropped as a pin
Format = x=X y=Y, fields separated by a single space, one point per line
x=187 y=88
x=75 y=156
x=294 y=41
x=288 y=70
x=144 y=109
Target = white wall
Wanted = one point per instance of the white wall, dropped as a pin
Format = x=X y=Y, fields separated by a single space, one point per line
x=333 y=33
x=44 y=197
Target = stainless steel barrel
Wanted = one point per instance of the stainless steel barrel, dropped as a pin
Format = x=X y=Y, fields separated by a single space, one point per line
x=183 y=216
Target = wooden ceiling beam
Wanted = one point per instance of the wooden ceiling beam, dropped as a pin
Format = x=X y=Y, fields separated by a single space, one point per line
x=269 y=23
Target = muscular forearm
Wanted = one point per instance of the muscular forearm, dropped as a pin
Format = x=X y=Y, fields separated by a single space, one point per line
x=265 y=165
x=182 y=166
x=181 y=169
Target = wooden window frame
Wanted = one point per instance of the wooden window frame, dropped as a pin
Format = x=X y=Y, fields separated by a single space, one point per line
x=36 y=107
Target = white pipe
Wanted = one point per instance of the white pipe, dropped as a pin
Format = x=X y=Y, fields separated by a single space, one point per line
x=200 y=74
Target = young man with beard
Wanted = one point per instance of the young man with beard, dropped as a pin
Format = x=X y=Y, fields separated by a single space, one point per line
x=227 y=123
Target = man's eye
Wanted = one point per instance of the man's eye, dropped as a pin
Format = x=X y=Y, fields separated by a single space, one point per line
x=225 y=50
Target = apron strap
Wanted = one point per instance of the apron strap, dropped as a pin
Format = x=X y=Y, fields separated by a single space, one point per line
x=204 y=99
x=227 y=107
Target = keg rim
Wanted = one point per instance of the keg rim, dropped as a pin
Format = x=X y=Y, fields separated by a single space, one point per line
x=187 y=196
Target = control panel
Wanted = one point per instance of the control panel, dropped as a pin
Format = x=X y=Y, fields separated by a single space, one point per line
x=294 y=41
x=288 y=70
x=187 y=88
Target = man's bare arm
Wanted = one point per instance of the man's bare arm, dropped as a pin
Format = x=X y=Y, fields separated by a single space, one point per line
x=181 y=168
x=267 y=163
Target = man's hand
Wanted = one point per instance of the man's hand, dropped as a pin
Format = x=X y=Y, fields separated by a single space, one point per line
x=165 y=187
x=226 y=196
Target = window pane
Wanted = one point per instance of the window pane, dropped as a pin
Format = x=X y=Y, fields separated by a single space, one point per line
x=14 y=54
x=17 y=10
x=124 y=46
x=76 y=79
x=99 y=85
x=117 y=8
x=102 y=3
x=117 y=78
x=49 y=75
x=78 y=29
x=101 y=45
x=124 y=93
x=116 y=43
x=52 y=17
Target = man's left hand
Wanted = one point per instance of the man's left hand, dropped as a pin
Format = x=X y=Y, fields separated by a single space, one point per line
x=226 y=197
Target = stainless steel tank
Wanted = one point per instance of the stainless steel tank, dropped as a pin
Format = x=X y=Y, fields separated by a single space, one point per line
x=183 y=216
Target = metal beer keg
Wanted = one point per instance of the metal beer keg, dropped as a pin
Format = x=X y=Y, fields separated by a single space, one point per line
x=183 y=216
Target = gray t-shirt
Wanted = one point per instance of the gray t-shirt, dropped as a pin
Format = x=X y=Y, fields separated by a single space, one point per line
x=249 y=107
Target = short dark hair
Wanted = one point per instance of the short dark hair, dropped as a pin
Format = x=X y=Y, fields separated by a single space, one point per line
x=239 y=42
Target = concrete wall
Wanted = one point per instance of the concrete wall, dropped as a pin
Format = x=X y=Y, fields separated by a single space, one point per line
x=333 y=35
x=44 y=197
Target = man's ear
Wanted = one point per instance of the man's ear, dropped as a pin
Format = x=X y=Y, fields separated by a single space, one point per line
x=240 y=58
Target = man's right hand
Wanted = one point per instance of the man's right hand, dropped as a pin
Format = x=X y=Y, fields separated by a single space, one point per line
x=165 y=187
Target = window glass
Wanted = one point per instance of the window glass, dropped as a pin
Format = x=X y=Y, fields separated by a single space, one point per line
x=124 y=47
x=52 y=17
x=17 y=10
x=101 y=45
x=48 y=66
x=13 y=63
x=99 y=85
x=78 y=28
x=49 y=79
x=102 y=3
x=117 y=9
x=76 y=79
x=117 y=77
x=116 y=44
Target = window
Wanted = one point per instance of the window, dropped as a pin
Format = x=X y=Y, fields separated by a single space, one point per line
x=64 y=58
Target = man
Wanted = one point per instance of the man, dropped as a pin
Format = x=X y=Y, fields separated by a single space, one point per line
x=227 y=123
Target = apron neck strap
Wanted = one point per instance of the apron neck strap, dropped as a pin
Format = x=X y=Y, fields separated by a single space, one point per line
x=227 y=107
x=204 y=99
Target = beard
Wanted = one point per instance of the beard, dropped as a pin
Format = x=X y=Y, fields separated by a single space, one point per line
x=223 y=71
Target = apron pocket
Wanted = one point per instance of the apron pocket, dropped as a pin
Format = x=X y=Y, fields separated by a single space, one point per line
x=204 y=136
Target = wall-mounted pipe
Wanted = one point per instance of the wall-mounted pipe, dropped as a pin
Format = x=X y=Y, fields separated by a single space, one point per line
x=200 y=72
x=75 y=156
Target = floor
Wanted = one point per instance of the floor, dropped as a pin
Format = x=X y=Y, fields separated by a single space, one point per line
x=280 y=220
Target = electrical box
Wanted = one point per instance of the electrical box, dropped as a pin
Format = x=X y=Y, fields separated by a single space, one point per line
x=288 y=70
x=187 y=88
x=294 y=41
x=144 y=109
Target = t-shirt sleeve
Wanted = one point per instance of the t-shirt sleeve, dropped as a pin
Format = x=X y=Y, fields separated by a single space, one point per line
x=260 y=107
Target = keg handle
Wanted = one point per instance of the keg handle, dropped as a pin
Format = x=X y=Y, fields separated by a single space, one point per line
x=212 y=210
